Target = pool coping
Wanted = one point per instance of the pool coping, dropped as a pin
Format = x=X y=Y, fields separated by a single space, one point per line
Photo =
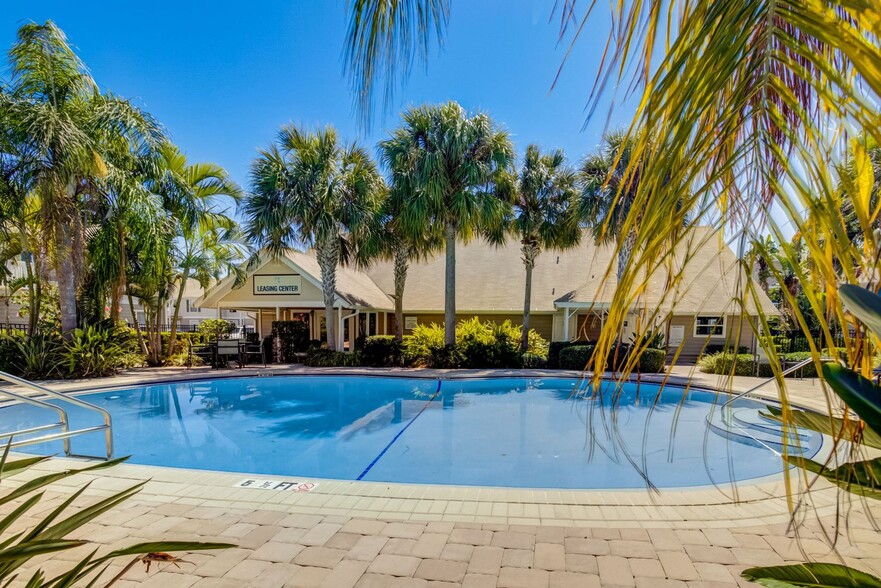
x=746 y=503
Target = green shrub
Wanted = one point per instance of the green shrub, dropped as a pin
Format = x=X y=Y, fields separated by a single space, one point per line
x=330 y=358
x=213 y=329
x=575 y=357
x=91 y=352
x=652 y=361
x=533 y=361
x=478 y=345
x=382 y=351
x=554 y=349
x=425 y=341
x=488 y=345
x=292 y=337
x=39 y=357
x=721 y=364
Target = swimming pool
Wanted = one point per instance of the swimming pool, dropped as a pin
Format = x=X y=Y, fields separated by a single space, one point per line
x=518 y=432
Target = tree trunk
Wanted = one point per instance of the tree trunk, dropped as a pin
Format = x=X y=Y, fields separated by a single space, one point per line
x=131 y=306
x=450 y=285
x=65 y=277
x=625 y=250
x=33 y=308
x=530 y=251
x=328 y=251
x=402 y=264
x=172 y=340
x=116 y=290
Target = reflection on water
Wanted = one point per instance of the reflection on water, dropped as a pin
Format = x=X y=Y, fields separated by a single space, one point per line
x=508 y=432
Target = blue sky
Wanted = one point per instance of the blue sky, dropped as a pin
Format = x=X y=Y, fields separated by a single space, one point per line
x=224 y=76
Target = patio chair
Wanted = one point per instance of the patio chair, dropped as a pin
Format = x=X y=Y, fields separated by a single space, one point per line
x=227 y=348
x=254 y=350
x=203 y=352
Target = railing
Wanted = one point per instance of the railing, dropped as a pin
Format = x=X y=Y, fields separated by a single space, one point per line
x=63 y=422
x=785 y=372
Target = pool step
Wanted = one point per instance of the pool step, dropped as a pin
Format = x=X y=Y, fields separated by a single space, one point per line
x=750 y=430
x=750 y=418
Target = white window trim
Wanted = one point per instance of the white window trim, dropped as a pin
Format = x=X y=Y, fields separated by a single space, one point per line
x=718 y=336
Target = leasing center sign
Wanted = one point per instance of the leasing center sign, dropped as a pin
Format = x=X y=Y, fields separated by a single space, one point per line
x=278 y=284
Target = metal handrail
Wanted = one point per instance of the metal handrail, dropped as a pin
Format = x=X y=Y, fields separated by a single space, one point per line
x=108 y=422
x=788 y=370
x=62 y=418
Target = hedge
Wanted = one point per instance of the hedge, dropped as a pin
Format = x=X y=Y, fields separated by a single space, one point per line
x=330 y=358
x=720 y=364
x=576 y=357
x=382 y=351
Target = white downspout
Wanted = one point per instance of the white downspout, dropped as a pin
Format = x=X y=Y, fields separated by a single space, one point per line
x=351 y=331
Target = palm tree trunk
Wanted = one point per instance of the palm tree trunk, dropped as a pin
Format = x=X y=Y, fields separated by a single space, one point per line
x=116 y=291
x=172 y=339
x=33 y=308
x=450 y=285
x=402 y=264
x=530 y=252
x=625 y=250
x=131 y=306
x=65 y=277
x=328 y=251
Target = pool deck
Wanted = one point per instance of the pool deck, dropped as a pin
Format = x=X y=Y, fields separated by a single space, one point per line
x=366 y=534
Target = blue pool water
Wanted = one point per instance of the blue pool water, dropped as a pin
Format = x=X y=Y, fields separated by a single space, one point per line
x=497 y=432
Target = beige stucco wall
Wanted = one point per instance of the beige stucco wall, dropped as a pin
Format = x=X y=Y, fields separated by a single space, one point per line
x=692 y=345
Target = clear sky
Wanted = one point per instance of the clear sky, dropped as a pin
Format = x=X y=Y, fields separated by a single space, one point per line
x=223 y=76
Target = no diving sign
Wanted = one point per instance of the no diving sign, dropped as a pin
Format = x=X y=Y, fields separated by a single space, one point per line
x=289 y=485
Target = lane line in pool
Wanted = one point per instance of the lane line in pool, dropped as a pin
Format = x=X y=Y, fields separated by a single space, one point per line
x=401 y=432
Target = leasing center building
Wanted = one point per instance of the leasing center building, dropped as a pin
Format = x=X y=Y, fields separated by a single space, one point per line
x=569 y=294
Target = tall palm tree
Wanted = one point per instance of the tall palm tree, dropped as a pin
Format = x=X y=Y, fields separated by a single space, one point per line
x=207 y=244
x=398 y=238
x=309 y=189
x=204 y=254
x=546 y=213
x=452 y=161
x=608 y=194
x=65 y=123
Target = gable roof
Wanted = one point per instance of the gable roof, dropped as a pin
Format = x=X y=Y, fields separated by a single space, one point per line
x=492 y=279
x=710 y=277
x=353 y=287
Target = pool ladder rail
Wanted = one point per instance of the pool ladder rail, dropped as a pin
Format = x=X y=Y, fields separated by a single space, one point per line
x=65 y=434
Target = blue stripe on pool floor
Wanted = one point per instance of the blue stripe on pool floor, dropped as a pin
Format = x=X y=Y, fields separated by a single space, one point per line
x=401 y=432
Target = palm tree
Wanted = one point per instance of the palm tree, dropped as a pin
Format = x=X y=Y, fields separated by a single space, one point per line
x=398 y=238
x=207 y=242
x=451 y=161
x=546 y=213
x=309 y=189
x=65 y=124
x=205 y=254
x=608 y=193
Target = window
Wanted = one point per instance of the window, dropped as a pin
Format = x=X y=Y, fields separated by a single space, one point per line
x=192 y=308
x=709 y=326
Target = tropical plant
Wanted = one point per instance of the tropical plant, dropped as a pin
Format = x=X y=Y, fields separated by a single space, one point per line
x=452 y=162
x=214 y=329
x=47 y=534
x=91 y=352
x=401 y=237
x=862 y=477
x=609 y=185
x=64 y=126
x=207 y=245
x=546 y=213
x=309 y=189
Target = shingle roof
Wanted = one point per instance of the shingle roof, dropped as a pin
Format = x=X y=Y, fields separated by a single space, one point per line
x=351 y=284
x=493 y=278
